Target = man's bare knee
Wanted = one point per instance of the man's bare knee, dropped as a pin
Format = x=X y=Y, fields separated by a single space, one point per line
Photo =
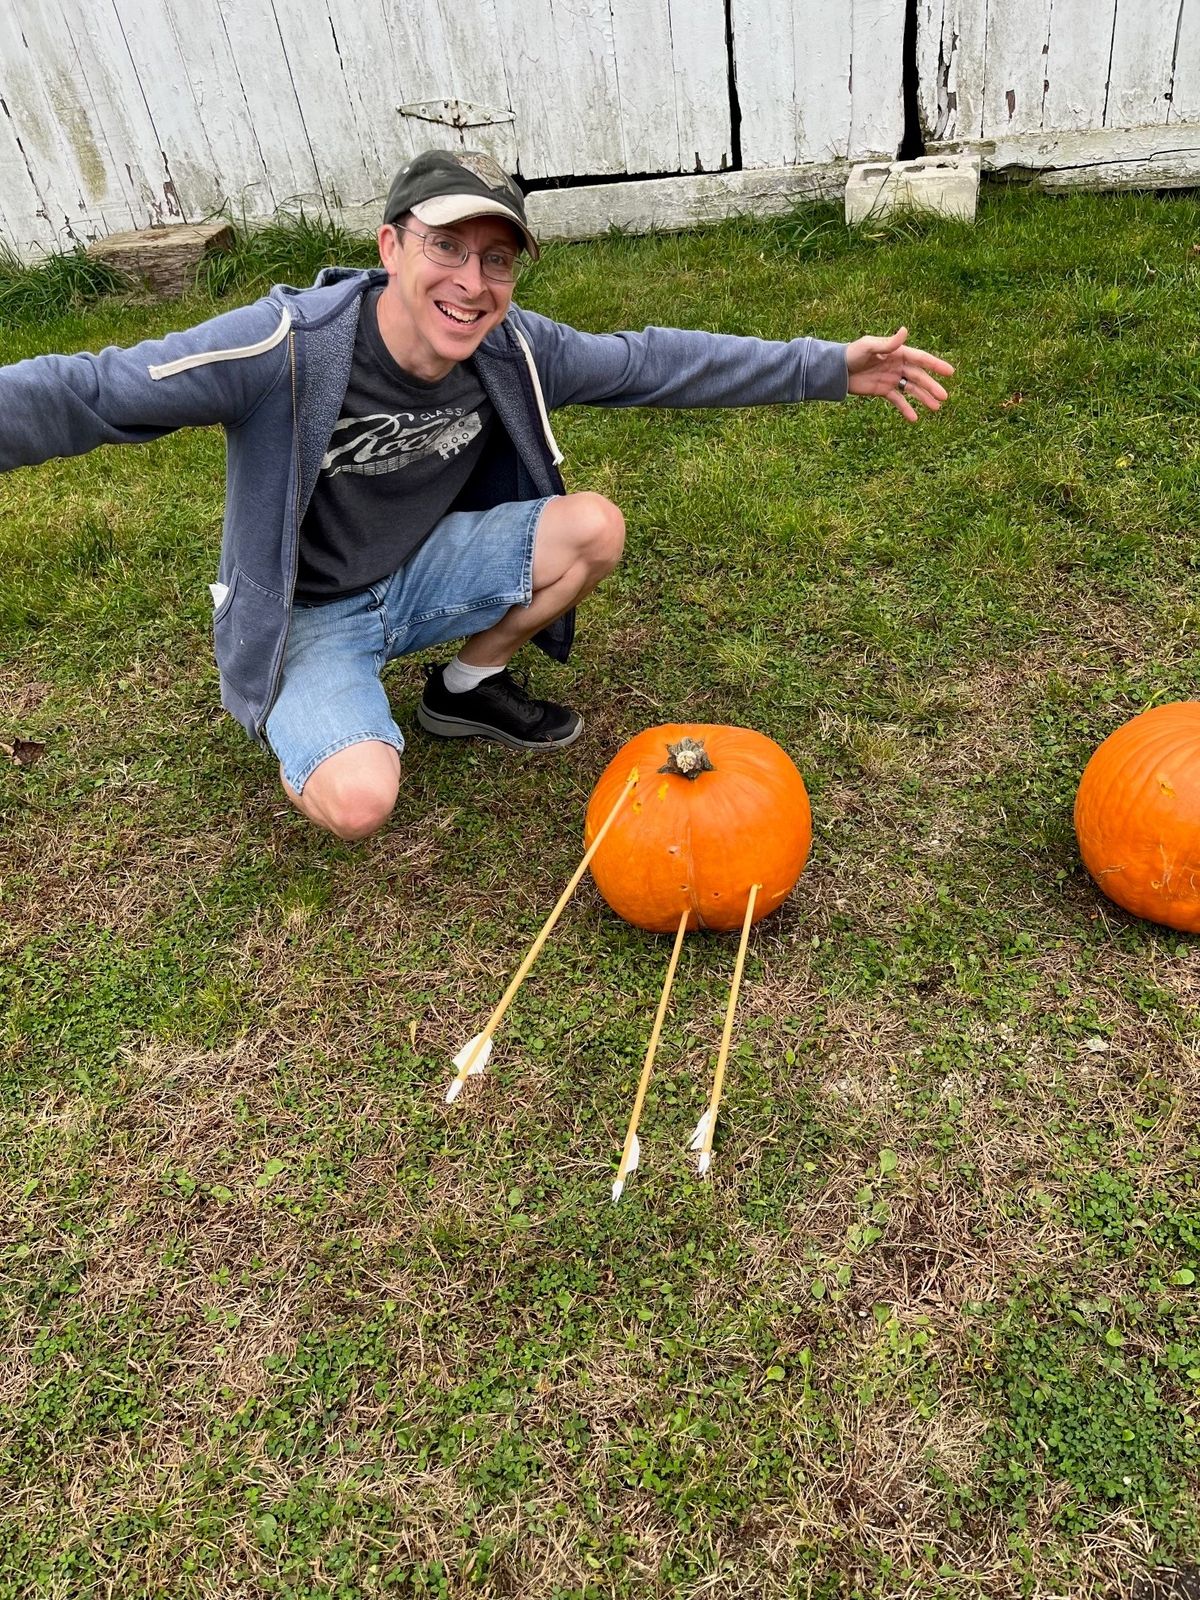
x=352 y=793
x=360 y=807
x=592 y=532
x=599 y=529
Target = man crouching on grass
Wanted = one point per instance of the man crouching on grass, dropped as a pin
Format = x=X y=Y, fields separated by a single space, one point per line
x=392 y=480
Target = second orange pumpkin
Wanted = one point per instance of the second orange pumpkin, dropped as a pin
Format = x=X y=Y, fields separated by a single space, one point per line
x=1137 y=815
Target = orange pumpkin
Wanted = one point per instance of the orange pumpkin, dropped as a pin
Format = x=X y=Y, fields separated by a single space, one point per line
x=1137 y=815
x=714 y=811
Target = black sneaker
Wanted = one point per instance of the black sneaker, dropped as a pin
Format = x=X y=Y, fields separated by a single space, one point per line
x=498 y=708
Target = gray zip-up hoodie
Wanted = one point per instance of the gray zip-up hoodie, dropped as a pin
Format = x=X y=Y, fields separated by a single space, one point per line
x=274 y=375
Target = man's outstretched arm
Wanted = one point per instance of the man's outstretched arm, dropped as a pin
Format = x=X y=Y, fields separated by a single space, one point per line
x=214 y=373
x=682 y=367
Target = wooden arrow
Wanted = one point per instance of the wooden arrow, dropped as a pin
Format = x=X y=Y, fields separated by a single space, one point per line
x=473 y=1056
x=702 y=1139
x=631 y=1152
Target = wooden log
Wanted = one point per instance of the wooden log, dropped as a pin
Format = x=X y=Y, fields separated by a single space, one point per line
x=164 y=261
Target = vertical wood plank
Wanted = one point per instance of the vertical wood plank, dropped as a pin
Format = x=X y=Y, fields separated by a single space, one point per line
x=367 y=68
x=1081 y=40
x=1143 y=52
x=1016 y=56
x=876 y=79
x=695 y=75
x=429 y=65
x=562 y=77
x=672 y=83
x=969 y=77
x=818 y=98
x=262 y=78
x=1185 y=87
x=419 y=70
x=951 y=53
x=183 y=61
x=525 y=38
x=27 y=228
x=765 y=55
x=100 y=60
x=935 y=52
x=647 y=108
x=320 y=102
x=80 y=44
x=56 y=139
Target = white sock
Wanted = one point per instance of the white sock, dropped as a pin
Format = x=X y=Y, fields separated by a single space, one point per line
x=459 y=675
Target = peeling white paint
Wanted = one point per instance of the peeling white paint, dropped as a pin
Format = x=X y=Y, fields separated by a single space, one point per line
x=121 y=113
x=130 y=112
x=1001 y=69
x=818 y=82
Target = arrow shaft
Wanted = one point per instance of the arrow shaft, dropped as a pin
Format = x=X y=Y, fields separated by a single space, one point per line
x=535 y=948
x=652 y=1047
x=727 y=1035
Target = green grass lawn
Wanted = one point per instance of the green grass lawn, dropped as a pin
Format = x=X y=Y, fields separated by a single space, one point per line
x=277 y=1321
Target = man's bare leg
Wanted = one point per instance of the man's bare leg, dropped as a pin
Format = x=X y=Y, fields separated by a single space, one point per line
x=579 y=541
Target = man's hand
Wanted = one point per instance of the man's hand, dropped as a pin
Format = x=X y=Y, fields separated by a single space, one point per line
x=899 y=373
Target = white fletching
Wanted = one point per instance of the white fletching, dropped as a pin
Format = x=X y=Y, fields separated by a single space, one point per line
x=704 y=1162
x=635 y=1155
x=701 y=1132
x=452 y=1093
x=618 y=1189
x=464 y=1055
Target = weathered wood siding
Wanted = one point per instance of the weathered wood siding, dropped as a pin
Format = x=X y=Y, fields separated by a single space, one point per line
x=818 y=82
x=121 y=113
x=116 y=114
x=1093 y=89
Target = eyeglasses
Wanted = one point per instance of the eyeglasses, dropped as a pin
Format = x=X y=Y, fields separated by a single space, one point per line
x=501 y=266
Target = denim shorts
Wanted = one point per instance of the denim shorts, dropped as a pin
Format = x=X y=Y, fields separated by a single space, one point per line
x=473 y=568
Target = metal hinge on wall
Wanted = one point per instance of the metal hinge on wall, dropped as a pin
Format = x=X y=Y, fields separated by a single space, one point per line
x=455 y=113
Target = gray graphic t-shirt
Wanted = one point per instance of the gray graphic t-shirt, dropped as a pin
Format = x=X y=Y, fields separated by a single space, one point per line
x=400 y=453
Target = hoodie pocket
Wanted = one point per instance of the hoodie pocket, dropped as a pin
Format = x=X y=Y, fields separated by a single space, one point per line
x=248 y=625
x=222 y=594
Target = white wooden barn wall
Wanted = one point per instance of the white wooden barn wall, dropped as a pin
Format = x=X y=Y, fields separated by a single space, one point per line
x=992 y=69
x=120 y=113
x=1105 y=90
x=818 y=80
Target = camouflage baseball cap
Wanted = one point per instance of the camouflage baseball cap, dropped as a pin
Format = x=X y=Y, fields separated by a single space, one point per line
x=444 y=186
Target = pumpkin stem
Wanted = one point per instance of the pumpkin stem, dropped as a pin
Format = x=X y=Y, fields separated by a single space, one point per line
x=687 y=759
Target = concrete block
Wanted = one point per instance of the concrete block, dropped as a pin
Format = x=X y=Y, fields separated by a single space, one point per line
x=947 y=184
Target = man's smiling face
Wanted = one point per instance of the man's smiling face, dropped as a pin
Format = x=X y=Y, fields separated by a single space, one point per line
x=432 y=315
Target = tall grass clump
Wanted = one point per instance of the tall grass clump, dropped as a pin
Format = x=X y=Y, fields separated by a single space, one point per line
x=32 y=293
x=289 y=249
